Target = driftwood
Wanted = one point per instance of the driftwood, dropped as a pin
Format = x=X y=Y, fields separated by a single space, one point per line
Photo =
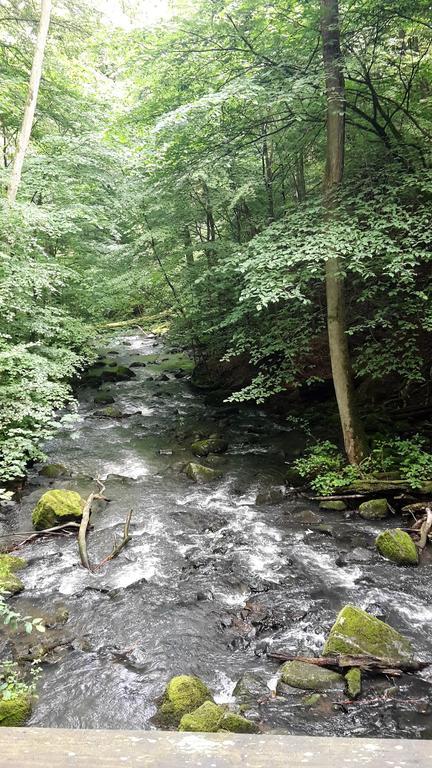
x=425 y=529
x=67 y=529
x=117 y=548
x=82 y=534
x=366 y=663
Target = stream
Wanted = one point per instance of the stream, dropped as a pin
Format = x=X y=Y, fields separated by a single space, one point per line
x=210 y=578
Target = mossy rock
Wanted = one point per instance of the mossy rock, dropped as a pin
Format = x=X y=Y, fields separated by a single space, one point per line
x=99 y=374
x=310 y=677
x=111 y=412
x=312 y=701
x=354 y=682
x=15 y=712
x=374 y=509
x=212 y=718
x=203 y=448
x=200 y=474
x=104 y=398
x=398 y=546
x=57 y=508
x=358 y=633
x=53 y=471
x=9 y=582
x=333 y=506
x=183 y=694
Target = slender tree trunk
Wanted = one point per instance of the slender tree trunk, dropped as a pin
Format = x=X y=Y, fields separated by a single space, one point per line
x=30 y=108
x=299 y=176
x=267 y=165
x=353 y=434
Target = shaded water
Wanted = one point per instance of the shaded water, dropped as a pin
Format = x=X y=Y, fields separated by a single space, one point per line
x=210 y=578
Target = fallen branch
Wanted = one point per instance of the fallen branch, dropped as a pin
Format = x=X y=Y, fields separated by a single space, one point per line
x=85 y=520
x=58 y=530
x=367 y=663
x=117 y=548
x=425 y=529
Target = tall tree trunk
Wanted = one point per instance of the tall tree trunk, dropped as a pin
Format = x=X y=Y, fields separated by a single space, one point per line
x=30 y=108
x=267 y=166
x=353 y=434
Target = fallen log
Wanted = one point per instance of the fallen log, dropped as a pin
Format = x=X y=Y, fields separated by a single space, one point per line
x=85 y=520
x=366 y=663
x=425 y=529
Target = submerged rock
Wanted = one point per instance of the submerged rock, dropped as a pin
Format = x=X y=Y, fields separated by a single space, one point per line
x=56 y=508
x=104 y=398
x=9 y=581
x=183 y=694
x=333 y=506
x=53 y=471
x=14 y=712
x=358 y=633
x=212 y=718
x=310 y=677
x=398 y=546
x=353 y=680
x=202 y=448
x=200 y=474
x=374 y=509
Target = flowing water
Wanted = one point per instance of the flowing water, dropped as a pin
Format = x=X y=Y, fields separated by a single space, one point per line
x=210 y=579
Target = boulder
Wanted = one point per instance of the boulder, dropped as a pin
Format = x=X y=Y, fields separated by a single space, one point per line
x=358 y=633
x=104 y=398
x=200 y=474
x=57 y=508
x=202 y=448
x=111 y=412
x=310 y=677
x=374 y=509
x=9 y=581
x=333 y=506
x=212 y=718
x=353 y=681
x=398 y=546
x=53 y=471
x=102 y=373
x=183 y=694
x=14 y=712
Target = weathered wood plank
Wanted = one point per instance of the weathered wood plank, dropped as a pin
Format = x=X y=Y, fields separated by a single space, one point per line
x=52 y=748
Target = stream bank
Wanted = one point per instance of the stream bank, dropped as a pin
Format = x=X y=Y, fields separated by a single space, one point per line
x=211 y=578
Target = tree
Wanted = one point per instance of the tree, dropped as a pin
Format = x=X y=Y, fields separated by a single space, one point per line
x=30 y=108
x=353 y=435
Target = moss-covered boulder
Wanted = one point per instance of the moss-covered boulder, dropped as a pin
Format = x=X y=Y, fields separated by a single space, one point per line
x=358 y=633
x=111 y=412
x=374 y=509
x=14 y=712
x=353 y=682
x=57 y=508
x=200 y=474
x=9 y=581
x=183 y=694
x=203 y=448
x=333 y=506
x=310 y=677
x=101 y=373
x=398 y=546
x=212 y=718
x=53 y=471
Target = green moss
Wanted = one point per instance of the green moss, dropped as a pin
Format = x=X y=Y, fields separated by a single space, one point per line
x=310 y=677
x=183 y=694
x=333 y=506
x=111 y=412
x=9 y=582
x=14 y=712
x=212 y=718
x=358 y=633
x=52 y=471
x=202 y=448
x=200 y=474
x=354 y=682
x=374 y=509
x=56 y=508
x=398 y=546
x=312 y=700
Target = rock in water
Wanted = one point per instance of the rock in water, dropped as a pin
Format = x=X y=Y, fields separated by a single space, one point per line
x=183 y=694
x=358 y=633
x=53 y=471
x=374 y=509
x=14 y=712
x=212 y=718
x=200 y=474
x=333 y=506
x=57 y=508
x=311 y=677
x=9 y=581
x=398 y=546
x=202 y=448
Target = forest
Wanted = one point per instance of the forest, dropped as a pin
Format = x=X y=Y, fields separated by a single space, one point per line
x=215 y=239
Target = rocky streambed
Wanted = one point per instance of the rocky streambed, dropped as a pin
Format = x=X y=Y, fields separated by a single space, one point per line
x=211 y=580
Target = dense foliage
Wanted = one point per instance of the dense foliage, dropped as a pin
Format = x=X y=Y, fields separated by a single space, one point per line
x=179 y=168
